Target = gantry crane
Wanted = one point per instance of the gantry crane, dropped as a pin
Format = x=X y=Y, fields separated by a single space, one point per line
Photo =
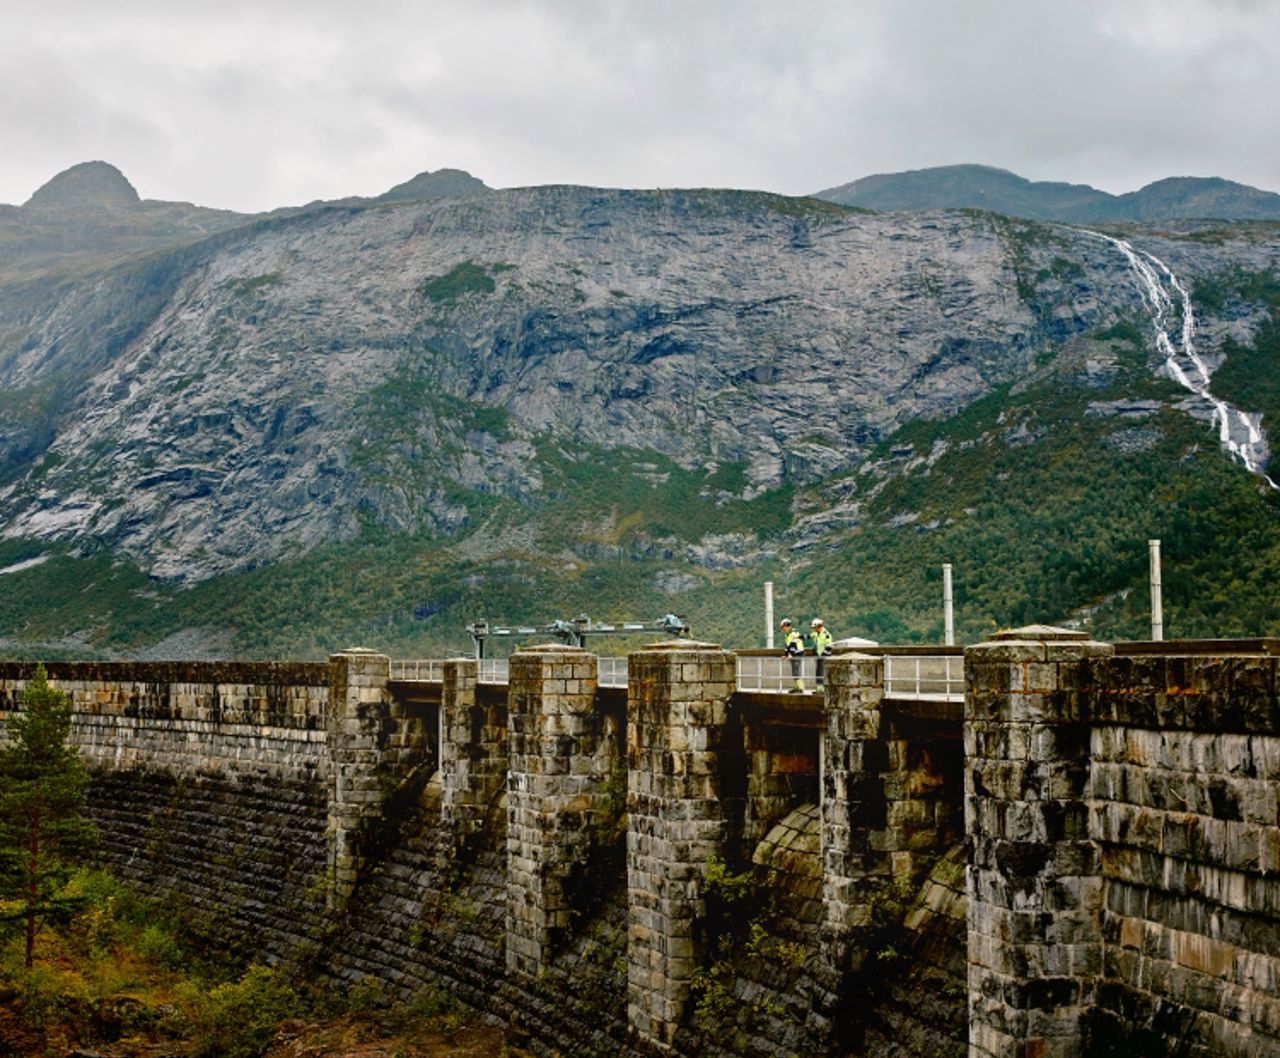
x=575 y=632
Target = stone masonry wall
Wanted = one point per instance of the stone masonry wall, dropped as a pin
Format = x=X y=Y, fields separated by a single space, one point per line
x=781 y=762
x=473 y=750
x=1124 y=879
x=1184 y=794
x=1034 y=889
x=678 y=696
x=207 y=785
x=561 y=756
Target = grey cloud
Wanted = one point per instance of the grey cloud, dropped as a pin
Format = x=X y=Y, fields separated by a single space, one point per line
x=251 y=106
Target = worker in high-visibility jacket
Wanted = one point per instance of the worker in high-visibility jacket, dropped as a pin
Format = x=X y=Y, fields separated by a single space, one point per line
x=821 y=640
x=793 y=644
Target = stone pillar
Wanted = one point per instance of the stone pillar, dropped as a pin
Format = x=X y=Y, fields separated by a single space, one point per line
x=559 y=759
x=473 y=751
x=854 y=758
x=359 y=709
x=677 y=703
x=1034 y=887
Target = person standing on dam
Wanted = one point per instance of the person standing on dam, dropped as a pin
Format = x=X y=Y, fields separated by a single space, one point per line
x=821 y=640
x=793 y=644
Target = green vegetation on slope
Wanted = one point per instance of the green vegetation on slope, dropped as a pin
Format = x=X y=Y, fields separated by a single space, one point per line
x=464 y=278
x=126 y=976
x=1036 y=533
x=1044 y=509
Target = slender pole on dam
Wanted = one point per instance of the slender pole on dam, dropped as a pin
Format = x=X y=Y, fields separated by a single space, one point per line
x=768 y=614
x=948 y=617
x=1157 y=604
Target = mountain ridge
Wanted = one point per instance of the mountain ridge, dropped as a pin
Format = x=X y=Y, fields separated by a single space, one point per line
x=988 y=187
x=100 y=185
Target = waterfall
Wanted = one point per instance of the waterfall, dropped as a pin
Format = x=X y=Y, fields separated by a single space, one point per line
x=1239 y=432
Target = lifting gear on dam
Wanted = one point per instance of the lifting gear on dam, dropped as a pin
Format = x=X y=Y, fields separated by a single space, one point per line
x=575 y=632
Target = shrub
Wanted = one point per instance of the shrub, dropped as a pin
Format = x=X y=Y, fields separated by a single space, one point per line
x=235 y=1020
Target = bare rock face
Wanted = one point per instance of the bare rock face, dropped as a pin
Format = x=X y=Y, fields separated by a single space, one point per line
x=240 y=400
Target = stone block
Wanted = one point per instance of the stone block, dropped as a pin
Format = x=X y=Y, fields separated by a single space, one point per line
x=1006 y=652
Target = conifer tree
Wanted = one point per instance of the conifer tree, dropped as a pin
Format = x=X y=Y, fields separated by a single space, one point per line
x=42 y=792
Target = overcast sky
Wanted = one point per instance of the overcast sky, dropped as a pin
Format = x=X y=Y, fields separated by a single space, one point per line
x=252 y=104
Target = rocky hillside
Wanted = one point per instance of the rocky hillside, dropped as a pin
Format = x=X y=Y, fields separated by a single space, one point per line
x=540 y=379
x=91 y=215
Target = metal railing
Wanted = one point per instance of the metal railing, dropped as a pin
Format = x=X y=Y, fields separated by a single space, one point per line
x=613 y=672
x=427 y=670
x=771 y=674
x=922 y=677
x=493 y=670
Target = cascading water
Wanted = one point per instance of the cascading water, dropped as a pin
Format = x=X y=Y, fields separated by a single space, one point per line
x=1239 y=432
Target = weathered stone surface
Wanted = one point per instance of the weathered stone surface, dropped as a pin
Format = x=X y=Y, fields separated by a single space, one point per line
x=1123 y=867
x=677 y=697
x=562 y=755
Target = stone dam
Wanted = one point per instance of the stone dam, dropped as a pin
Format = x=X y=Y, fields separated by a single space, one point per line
x=1082 y=858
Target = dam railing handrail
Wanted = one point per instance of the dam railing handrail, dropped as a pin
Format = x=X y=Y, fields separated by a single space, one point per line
x=929 y=674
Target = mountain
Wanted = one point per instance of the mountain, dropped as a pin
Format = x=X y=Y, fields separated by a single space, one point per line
x=90 y=215
x=375 y=421
x=84 y=187
x=443 y=183
x=984 y=187
x=1186 y=196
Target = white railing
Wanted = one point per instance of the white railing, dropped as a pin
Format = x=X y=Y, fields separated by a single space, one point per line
x=493 y=670
x=430 y=670
x=613 y=672
x=924 y=677
x=772 y=674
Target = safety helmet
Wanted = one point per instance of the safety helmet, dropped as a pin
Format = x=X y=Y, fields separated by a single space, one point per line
x=785 y=621
x=817 y=622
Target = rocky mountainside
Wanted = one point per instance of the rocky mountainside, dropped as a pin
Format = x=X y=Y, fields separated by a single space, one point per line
x=556 y=379
x=985 y=187
x=90 y=215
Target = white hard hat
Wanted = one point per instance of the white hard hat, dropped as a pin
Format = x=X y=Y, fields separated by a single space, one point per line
x=785 y=621
x=817 y=621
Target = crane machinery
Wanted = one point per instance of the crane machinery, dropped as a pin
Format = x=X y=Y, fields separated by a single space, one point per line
x=574 y=633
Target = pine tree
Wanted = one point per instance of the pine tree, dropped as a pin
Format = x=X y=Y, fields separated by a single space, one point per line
x=43 y=784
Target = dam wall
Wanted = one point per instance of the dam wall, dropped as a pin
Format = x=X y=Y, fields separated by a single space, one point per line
x=1080 y=860
x=1124 y=870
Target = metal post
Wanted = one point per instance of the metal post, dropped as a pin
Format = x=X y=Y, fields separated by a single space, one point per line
x=1157 y=603
x=768 y=614
x=948 y=618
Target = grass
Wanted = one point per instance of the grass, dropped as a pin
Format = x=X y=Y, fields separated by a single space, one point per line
x=466 y=277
